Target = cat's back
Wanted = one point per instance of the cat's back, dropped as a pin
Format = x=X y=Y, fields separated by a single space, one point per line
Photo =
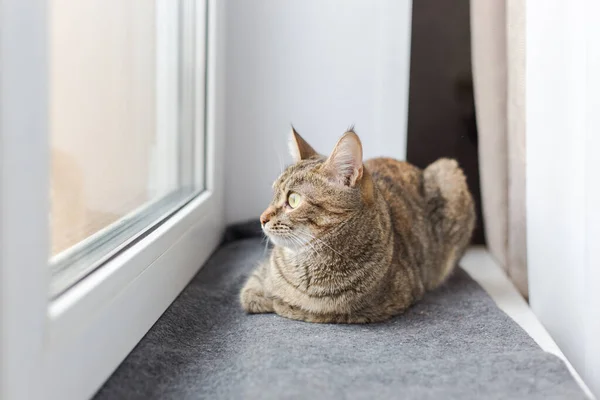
x=397 y=180
x=401 y=185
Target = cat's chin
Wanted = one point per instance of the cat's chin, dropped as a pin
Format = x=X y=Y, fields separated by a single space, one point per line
x=282 y=241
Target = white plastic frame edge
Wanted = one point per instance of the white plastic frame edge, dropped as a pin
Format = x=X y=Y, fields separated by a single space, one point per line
x=23 y=194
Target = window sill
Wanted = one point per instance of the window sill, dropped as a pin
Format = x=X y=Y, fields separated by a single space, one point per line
x=93 y=326
x=482 y=268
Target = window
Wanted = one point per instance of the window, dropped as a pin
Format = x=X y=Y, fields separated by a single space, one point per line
x=122 y=76
x=111 y=193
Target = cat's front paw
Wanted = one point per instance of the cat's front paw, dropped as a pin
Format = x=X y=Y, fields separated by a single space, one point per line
x=288 y=311
x=255 y=302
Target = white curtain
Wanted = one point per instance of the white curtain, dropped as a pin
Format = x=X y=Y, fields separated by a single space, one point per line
x=498 y=57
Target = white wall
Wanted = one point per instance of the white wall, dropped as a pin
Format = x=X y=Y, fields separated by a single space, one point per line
x=321 y=65
x=563 y=177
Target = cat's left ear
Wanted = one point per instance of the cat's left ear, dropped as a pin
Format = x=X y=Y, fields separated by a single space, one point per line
x=345 y=165
x=299 y=148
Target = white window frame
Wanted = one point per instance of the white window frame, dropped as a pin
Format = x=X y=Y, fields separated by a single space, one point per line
x=66 y=348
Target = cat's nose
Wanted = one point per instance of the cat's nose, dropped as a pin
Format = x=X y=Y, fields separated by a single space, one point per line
x=266 y=216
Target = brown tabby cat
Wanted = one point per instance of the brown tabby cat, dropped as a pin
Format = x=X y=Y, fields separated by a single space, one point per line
x=358 y=243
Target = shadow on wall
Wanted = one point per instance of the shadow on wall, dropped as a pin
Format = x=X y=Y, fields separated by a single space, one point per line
x=441 y=116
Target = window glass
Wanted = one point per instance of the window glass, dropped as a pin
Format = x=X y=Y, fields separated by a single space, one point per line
x=126 y=140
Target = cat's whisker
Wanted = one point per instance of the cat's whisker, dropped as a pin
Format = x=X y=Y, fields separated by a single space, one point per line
x=306 y=242
x=312 y=237
x=296 y=240
x=266 y=240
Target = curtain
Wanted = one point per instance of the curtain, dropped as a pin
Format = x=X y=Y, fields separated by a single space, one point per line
x=498 y=57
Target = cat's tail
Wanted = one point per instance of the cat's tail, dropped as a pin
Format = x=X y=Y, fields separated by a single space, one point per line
x=451 y=211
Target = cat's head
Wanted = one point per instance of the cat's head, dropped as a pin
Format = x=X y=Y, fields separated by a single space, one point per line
x=316 y=193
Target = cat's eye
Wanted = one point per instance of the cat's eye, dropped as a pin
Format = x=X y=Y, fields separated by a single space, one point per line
x=294 y=199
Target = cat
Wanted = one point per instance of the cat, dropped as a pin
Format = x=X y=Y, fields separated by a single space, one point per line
x=358 y=242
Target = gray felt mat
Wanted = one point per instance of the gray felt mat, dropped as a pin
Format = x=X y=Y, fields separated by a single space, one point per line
x=455 y=344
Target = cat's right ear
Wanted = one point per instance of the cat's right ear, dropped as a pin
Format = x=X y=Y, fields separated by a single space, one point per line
x=345 y=165
x=299 y=149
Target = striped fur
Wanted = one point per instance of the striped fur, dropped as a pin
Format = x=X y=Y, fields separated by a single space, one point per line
x=366 y=241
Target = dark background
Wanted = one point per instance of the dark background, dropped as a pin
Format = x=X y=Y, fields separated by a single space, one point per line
x=441 y=112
